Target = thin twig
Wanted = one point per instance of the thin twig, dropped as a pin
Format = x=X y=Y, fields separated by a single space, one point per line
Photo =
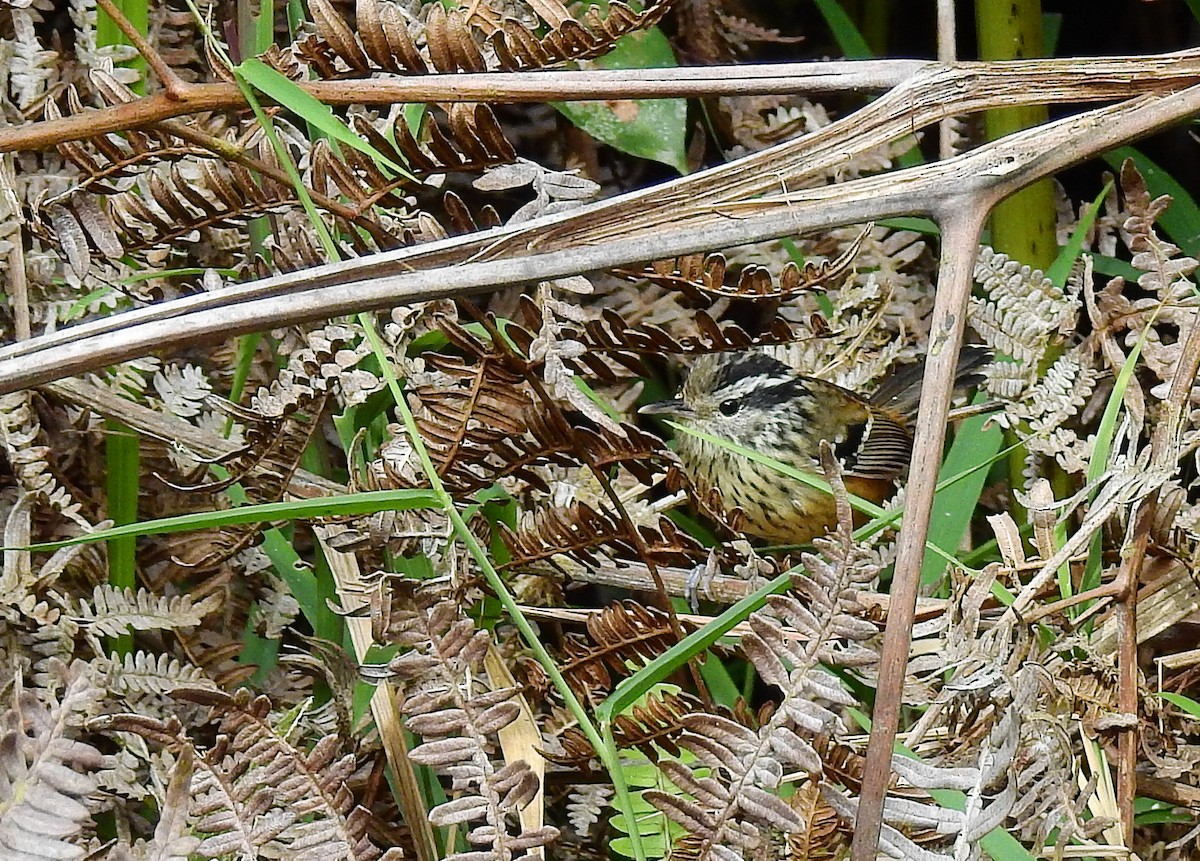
x=1108 y=590
x=1163 y=448
x=947 y=52
x=18 y=277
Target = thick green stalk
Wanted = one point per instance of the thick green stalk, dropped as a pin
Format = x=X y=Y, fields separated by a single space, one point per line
x=1023 y=225
x=122 y=456
x=122 y=452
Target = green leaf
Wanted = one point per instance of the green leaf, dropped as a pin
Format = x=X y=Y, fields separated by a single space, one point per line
x=1188 y=704
x=972 y=452
x=1105 y=434
x=848 y=37
x=654 y=129
x=284 y=91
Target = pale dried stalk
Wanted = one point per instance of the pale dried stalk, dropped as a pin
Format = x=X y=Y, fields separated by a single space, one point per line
x=947 y=51
x=1128 y=76
x=710 y=210
x=344 y=567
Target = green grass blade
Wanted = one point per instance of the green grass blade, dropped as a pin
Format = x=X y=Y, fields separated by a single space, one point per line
x=847 y=35
x=1060 y=269
x=284 y=91
x=633 y=687
x=122 y=455
x=347 y=505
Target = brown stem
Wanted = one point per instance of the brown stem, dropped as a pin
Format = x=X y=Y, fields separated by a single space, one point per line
x=1162 y=447
x=698 y=213
x=1108 y=590
x=174 y=88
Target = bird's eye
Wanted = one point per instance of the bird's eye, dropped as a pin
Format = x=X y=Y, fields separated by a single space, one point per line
x=729 y=407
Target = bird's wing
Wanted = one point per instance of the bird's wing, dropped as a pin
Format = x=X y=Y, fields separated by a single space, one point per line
x=880 y=448
x=901 y=391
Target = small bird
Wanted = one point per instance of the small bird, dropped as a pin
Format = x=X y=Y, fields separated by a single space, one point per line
x=761 y=404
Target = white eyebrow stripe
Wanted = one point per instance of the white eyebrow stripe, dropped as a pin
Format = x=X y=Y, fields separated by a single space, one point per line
x=746 y=385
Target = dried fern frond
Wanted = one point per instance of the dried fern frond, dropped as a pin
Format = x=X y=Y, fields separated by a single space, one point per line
x=106 y=159
x=579 y=531
x=46 y=772
x=652 y=728
x=447 y=703
x=972 y=664
x=622 y=635
x=703 y=275
x=1166 y=272
x=113 y=611
x=21 y=431
x=145 y=673
x=257 y=793
x=610 y=337
x=731 y=813
x=172 y=839
x=1022 y=313
x=383 y=40
x=20 y=580
x=987 y=785
x=1025 y=317
x=465 y=138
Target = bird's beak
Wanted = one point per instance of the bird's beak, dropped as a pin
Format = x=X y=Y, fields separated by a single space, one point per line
x=674 y=408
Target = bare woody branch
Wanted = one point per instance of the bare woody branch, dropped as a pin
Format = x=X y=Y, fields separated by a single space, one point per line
x=713 y=209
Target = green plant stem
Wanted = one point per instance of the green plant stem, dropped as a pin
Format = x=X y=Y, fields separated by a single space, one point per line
x=1023 y=225
x=345 y=505
x=122 y=454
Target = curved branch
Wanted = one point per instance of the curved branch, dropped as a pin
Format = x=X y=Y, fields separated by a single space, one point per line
x=585 y=240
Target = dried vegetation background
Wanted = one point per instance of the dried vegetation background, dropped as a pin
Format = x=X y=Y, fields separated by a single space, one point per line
x=351 y=687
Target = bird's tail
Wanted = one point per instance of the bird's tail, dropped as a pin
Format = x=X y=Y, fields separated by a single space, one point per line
x=901 y=392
